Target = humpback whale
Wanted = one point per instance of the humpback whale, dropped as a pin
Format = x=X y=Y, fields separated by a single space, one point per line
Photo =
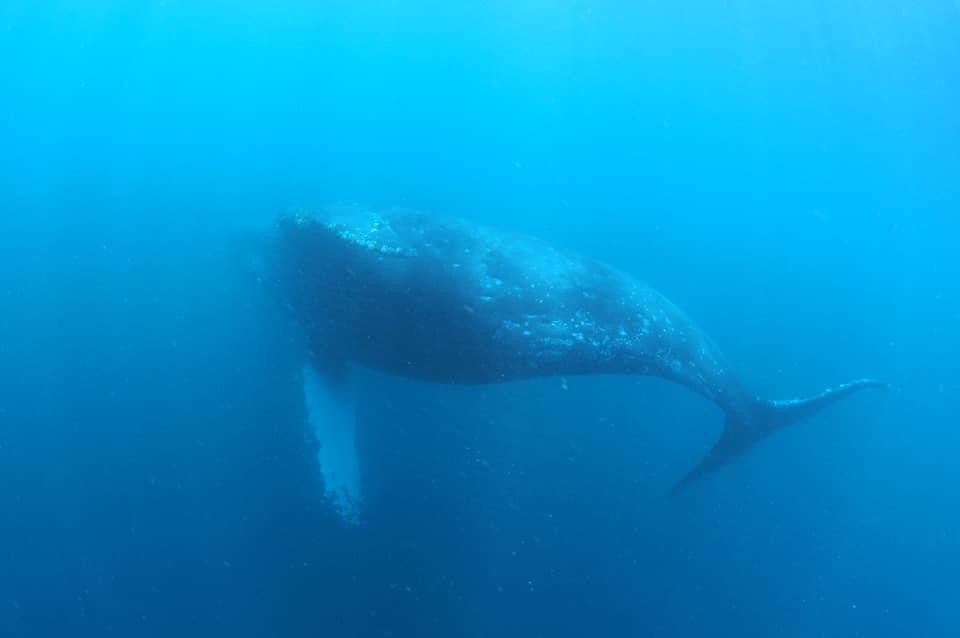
x=437 y=298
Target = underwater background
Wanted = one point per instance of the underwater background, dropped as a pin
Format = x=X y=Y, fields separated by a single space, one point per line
x=788 y=173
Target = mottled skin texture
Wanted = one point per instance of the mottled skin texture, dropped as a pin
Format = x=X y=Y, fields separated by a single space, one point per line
x=441 y=299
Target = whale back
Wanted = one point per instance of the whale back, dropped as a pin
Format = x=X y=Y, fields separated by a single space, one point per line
x=439 y=298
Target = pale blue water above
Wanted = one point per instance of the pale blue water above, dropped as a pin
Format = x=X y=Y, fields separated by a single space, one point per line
x=787 y=174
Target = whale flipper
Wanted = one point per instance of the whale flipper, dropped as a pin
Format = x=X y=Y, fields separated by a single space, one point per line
x=331 y=412
x=740 y=434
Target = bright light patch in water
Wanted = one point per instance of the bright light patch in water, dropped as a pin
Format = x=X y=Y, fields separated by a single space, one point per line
x=331 y=412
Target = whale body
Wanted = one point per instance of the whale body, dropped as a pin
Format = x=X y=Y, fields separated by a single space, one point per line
x=437 y=298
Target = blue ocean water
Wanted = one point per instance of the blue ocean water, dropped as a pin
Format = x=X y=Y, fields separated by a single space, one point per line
x=789 y=174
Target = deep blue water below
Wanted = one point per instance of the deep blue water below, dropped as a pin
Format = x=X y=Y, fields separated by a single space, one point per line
x=789 y=174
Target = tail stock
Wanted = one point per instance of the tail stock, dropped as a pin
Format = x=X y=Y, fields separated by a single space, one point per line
x=741 y=432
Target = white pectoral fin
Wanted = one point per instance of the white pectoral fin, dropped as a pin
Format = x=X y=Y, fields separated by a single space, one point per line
x=331 y=412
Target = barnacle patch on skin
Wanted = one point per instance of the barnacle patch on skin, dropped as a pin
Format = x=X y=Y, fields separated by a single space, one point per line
x=361 y=227
x=375 y=235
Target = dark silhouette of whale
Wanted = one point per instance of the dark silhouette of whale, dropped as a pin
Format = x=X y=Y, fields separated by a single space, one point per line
x=437 y=298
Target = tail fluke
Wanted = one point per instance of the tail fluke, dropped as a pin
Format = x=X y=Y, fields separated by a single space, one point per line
x=741 y=432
